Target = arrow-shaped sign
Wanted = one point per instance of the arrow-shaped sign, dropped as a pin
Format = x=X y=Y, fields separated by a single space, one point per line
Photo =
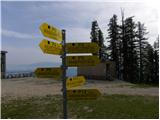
x=51 y=32
x=83 y=94
x=75 y=81
x=48 y=72
x=50 y=47
x=82 y=47
x=82 y=60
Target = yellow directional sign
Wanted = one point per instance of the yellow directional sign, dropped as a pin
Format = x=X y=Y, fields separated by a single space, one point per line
x=51 y=32
x=48 y=72
x=82 y=48
x=82 y=60
x=82 y=94
x=75 y=81
x=50 y=47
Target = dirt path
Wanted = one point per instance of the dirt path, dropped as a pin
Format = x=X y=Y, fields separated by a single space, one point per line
x=27 y=87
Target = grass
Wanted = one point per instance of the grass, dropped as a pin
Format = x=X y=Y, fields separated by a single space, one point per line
x=34 y=107
x=111 y=106
x=117 y=106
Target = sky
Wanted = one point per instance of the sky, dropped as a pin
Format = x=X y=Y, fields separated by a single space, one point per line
x=20 y=23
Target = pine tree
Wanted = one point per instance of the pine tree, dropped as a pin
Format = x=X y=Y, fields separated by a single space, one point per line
x=149 y=68
x=131 y=51
x=156 y=67
x=95 y=32
x=130 y=63
x=156 y=44
x=122 y=48
x=114 y=42
x=97 y=37
x=101 y=39
x=156 y=61
x=142 y=43
x=101 y=45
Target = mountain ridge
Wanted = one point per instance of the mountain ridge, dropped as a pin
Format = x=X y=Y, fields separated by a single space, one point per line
x=72 y=71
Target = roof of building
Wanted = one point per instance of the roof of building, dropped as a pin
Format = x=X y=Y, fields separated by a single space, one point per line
x=4 y=51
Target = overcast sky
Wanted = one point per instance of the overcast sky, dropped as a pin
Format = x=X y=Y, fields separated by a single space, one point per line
x=21 y=20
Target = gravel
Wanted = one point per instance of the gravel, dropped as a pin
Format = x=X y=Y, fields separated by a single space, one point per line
x=29 y=87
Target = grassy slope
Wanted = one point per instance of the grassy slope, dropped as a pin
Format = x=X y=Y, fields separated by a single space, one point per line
x=112 y=106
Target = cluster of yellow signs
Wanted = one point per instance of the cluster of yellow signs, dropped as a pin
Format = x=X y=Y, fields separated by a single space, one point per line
x=54 y=48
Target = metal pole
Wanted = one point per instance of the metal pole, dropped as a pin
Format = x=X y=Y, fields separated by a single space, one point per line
x=64 y=75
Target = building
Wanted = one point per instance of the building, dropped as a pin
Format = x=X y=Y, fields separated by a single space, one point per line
x=102 y=71
x=3 y=64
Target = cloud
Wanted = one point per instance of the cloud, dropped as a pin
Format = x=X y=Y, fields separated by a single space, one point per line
x=29 y=55
x=78 y=35
x=9 y=33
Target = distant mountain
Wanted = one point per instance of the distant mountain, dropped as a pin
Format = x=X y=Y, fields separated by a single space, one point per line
x=31 y=67
x=71 y=71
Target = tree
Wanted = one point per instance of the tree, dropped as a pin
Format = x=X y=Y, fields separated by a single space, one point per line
x=101 y=39
x=156 y=67
x=102 y=54
x=130 y=63
x=156 y=61
x=142 y=43
x=122 y=44
x=133 y=55
x=114 y=42
x=95 y=32
x=97 y=37
x=149 y=67
x=156 y=44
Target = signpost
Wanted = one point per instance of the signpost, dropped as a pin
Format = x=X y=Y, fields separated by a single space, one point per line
x=75 y=81
x=50 y=47
x=48 y=72
x=82 y=60
x=64 y=67
x=68 y=61
x=82 y=47
x=82 y=94
x=51 y=32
